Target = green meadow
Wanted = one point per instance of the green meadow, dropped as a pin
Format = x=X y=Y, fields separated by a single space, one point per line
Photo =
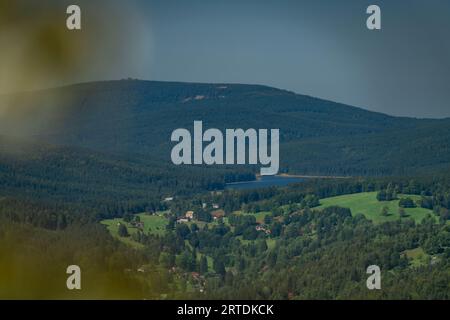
x=364 y=203
x=367 y=204
x=153 y=224
x=259 y=215
x=417 y=257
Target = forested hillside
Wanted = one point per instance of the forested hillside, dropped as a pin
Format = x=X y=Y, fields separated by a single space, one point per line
x=72 y=158
x=136 y=118
x=275 y=243
x=279 y=243
x=101 y=183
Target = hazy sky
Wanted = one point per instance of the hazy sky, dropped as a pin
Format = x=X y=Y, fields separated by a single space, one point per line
x=317 y=47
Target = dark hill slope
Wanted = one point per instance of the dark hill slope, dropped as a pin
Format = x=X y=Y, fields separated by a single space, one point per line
x=136 y=118
x=79 y=178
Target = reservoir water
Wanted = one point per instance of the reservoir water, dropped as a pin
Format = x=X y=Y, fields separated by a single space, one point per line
x=264 y=182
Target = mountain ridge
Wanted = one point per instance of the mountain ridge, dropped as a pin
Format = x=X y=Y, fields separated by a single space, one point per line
x=89 y=84
x=136 y=118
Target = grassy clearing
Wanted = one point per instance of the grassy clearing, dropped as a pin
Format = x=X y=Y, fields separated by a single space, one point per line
x=153 y=224
x=417 y=257
x=271 y=242
x=259 y=216
x=113 y=227
x=367 y=204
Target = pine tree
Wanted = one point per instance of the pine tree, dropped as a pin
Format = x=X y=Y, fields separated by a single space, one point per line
x=203 y=268
x=123 y=231
x=402 y=212
x=219 y=267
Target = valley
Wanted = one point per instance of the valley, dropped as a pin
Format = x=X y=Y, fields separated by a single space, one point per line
x=87 y=167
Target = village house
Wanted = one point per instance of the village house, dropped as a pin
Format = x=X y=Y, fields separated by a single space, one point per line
x=195 y=275
x=216 y=214
x=259 y=228
x=189 y=215
x=262 y=228
x=137 y=224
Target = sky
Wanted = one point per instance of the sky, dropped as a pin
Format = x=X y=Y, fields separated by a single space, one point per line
x=320 y=48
